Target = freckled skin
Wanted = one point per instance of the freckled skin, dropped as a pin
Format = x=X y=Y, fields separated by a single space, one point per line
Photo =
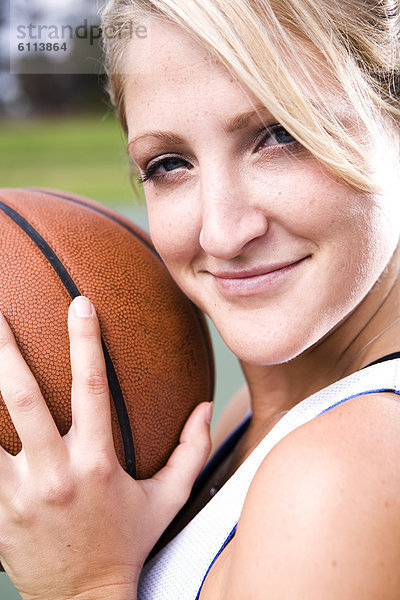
x=238 y=207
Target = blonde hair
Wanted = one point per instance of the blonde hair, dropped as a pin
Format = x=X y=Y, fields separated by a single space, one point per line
x=351 y=47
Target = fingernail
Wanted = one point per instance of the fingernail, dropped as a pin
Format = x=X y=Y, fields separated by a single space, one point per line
x=209 y=413
x=82 y=307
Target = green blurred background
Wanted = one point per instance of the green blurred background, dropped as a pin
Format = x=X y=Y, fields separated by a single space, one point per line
x=57 y=130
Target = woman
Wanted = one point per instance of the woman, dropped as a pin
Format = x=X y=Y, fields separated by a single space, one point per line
x=267 y=137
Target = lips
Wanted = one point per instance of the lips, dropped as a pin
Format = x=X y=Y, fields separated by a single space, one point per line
x=260 y=279
x=254 y=272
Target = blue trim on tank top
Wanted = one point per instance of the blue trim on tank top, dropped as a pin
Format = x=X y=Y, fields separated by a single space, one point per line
x=230 y=536
x=246 y=422
x=230 y=442
x=362 y=394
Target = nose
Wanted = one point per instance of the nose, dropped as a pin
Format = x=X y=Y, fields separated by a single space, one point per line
x=230 y=221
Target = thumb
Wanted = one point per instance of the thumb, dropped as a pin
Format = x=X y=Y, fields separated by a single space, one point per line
x=185 y=463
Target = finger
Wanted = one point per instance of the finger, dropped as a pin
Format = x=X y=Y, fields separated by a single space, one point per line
x=187 y=460
x=91 y=415
x=25 y=403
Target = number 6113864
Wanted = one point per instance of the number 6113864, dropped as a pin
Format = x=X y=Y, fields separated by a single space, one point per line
x=42 y=47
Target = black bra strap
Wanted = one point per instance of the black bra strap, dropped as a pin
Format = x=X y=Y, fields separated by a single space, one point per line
x=384 y=358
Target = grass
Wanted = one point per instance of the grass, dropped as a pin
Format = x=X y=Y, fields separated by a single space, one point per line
x=85 y=155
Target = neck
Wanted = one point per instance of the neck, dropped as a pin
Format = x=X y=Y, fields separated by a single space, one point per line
x=370 y=331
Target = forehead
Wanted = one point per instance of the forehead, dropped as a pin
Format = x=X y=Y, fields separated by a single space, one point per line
x=166 y=45
x=170 y=73
x=170 y=77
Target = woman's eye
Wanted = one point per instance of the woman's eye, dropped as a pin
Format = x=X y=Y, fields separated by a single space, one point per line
x=275 y=135
x=162 y=166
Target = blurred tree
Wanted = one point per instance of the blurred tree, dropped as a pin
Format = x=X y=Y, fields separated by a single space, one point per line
x=42 y=84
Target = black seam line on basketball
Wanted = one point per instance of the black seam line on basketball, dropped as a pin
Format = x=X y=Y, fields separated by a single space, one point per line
x=102 y=212
x=196 y=311
x=73 y=291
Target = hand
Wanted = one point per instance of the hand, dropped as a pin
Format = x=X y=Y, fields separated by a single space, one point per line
x=73 y=523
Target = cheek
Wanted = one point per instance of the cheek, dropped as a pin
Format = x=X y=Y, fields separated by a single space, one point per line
x=329 y=213
x=175 y=232
x=306 y=200
x=356 y=240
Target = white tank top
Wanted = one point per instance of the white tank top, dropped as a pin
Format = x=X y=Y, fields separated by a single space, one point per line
x=178 y=571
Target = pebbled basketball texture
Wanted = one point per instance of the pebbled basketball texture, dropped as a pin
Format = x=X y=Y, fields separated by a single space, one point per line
x=55 y=246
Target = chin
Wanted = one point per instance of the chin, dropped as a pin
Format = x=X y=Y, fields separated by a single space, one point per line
x=256 y=344
x=270 y=349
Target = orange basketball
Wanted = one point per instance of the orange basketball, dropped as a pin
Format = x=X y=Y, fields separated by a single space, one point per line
x=55 y=246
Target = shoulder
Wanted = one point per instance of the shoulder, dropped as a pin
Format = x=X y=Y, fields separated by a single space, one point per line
x=367 y=425
x=363 y=428
x=348 y=454
x=324 y=508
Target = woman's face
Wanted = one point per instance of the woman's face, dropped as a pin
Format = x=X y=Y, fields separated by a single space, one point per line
x=253 y=229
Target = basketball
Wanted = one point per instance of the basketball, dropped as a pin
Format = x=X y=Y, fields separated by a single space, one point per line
x=56 y=246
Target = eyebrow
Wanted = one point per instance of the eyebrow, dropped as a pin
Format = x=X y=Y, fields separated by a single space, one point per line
x=241 y=121
x=230 y=126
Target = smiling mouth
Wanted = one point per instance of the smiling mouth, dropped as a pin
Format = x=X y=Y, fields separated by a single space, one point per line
x=253 y=281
